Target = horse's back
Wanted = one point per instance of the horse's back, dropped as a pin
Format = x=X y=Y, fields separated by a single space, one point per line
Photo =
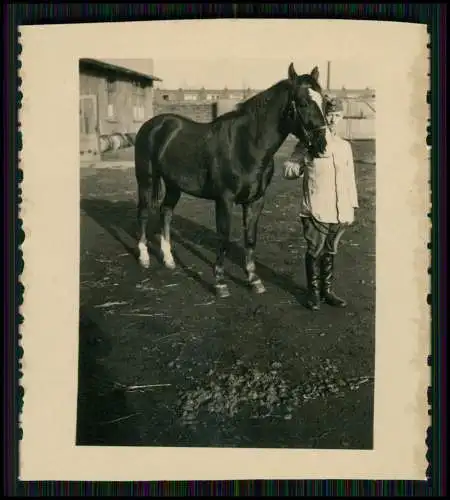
x=161 y=128
x=205 y=160
x=174 y=146
x=172 y=119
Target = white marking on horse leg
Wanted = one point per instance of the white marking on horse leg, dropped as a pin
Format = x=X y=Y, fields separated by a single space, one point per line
x=144 y=257
x=222 y=290
x=253 y=279
x=250 y=267
x=166 y=250
x=258 y=286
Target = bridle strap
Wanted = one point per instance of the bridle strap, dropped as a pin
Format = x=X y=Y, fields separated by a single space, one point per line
x=306 y=133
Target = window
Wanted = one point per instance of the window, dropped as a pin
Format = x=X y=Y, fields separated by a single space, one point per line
x=138 y=102
x=111 y=91
x=190 y=97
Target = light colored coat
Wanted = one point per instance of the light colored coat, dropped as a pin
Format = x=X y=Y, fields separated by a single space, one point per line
x=329 y=184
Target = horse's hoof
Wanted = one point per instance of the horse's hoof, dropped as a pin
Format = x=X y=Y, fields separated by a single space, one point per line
x=222 y=291
x=144 y=262
x=258 y=286
x=170 y=264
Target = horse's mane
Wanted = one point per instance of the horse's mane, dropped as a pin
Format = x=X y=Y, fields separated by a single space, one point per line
x=256 y=103
x=255 y=108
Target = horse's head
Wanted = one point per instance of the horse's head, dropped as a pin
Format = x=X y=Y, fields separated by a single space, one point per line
x=306 y=113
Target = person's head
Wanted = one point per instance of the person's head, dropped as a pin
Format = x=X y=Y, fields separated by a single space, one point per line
x=334 y=112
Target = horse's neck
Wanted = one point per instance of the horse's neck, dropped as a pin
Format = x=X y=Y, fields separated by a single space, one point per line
x=270 y=133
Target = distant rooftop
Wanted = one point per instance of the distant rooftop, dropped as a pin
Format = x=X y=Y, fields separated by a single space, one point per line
x=351 y=91
x=366 y=90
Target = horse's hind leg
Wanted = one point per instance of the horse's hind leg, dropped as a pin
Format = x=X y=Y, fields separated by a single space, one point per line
x=223 y=223
x=251 y=213
x=168 y=205
x=142 y=216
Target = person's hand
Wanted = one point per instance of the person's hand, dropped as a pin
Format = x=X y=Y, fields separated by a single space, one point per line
x=292 y=170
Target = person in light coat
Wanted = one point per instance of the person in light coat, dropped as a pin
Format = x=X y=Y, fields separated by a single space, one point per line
x=327 y=207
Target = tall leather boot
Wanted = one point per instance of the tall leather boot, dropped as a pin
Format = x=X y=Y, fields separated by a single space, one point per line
x=313 y=281
x=327 y=275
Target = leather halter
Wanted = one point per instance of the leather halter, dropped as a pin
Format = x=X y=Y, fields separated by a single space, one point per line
x=298 y=120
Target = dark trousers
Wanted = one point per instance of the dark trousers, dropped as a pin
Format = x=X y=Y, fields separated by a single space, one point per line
x=322 y=246
x=321 y=237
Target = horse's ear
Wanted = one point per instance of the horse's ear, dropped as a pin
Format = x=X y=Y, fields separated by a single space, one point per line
x=292 y=73
x=315 y=73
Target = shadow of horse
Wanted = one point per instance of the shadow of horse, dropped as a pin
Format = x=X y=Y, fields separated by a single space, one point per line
x=119 y=220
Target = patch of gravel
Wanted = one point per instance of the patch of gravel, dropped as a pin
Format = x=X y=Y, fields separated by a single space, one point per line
x=260 y=394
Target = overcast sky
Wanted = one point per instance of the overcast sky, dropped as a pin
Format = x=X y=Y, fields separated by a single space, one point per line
x=256 y=73
x=256 y=53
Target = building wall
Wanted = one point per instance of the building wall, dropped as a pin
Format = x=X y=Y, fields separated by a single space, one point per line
x=201 y=95
x=349 y=128
x=227 y=105
x=123 y=98
x=201 y=112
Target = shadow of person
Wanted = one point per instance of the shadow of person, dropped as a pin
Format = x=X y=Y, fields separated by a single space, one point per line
x=119 y=219
x=103 y=415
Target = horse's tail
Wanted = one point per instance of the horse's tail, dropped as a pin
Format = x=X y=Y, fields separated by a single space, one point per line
x=149 y=179
x=156 y=187
x=146 y=168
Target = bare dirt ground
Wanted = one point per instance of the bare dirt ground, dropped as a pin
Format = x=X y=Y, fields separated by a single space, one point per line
x=163 y=363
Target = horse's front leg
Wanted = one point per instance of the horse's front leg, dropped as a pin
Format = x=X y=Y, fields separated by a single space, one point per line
x=251 y=213
x=223 y=224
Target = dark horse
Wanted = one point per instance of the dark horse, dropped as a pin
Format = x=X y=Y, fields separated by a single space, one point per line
x=229 y=161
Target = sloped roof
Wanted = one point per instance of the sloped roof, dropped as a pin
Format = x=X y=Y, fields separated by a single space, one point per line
x=97 y=63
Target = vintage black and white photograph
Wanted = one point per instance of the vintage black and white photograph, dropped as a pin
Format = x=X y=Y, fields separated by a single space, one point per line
x=227 y=246
x=225 y=250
